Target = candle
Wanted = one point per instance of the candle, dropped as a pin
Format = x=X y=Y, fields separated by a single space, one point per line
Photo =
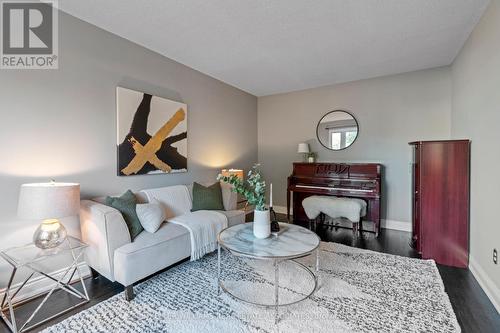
x=271 y=196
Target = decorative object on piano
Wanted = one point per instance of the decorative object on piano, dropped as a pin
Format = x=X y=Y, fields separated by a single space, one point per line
x=311 y=157
x=254 y=190
x=337 y=130
x=48 y=202
x=275 y=226
x=353 y=180
x=303 y=149
x=440 y=216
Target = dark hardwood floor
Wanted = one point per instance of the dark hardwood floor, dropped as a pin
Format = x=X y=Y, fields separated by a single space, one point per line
x=473 y=309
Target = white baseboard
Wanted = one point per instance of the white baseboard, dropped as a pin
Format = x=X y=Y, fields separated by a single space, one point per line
x=386 y=224
x=281 y=209
x=491 y=290
x=40 y=284
x=396 y=225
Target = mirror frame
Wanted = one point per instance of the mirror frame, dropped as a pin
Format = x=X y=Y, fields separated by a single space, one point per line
x=326 y=114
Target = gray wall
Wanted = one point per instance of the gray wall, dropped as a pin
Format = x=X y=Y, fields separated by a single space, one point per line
x=476 y=115
x=61 y=124
x=391 y=111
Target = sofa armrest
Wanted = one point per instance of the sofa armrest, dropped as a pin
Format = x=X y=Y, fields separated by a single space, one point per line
x=104 y=230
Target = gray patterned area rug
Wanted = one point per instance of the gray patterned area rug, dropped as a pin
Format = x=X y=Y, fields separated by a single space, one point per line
x=359 y=291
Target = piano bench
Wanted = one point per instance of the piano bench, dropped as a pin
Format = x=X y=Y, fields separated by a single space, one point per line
x=334 y=207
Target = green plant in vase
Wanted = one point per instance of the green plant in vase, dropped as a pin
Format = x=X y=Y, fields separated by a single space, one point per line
x=311 y=157
x=254 y=191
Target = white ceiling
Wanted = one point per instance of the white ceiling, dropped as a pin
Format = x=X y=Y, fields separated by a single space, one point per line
x=271 y=46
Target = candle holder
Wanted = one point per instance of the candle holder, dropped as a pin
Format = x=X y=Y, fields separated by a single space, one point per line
x=275 y=226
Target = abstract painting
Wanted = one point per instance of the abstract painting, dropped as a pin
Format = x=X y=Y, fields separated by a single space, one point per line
x=152 y=134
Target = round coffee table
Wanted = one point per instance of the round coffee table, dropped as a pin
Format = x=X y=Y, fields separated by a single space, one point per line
x=292 y=242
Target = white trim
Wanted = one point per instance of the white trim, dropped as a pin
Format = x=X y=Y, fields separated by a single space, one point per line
x=395 y=225
x=281 y=209
x=491 y=290
x=40 y=284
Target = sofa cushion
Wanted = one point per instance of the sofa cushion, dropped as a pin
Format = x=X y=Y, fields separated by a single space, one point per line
x=229 y=198
x=140 y=197
x=149 y=253
x=174 y=199
x=126 y=204
x=207 y=197
x=151 y=215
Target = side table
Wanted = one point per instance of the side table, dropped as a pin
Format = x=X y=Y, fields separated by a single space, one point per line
x=30 y=257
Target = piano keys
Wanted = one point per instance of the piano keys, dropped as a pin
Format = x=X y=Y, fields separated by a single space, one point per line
x=354 y=180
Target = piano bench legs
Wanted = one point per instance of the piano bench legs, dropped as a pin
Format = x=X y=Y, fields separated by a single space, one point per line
x=313 y=223
x=357 y=228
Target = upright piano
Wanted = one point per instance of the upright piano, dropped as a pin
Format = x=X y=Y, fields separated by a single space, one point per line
x=354 y=180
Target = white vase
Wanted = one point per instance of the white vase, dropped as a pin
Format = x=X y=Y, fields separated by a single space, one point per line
x=261 y=223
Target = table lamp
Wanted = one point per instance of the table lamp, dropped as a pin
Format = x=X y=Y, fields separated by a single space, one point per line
x=228 y=172
x=303 y=148
x=49 y=202
x=238 y=173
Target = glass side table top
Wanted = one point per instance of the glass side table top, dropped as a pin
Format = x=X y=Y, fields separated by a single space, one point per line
x=28 y=254
x=292 y=241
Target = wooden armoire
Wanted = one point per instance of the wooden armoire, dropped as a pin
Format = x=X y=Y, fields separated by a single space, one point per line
x=441 y=201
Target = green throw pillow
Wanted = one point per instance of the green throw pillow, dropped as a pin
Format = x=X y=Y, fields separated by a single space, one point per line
x=126 y=204
x=207 y=198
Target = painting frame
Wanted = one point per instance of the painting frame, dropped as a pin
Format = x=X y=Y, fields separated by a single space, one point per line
x=152 y=134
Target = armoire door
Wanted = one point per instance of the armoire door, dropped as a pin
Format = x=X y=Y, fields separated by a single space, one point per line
x=444 y=202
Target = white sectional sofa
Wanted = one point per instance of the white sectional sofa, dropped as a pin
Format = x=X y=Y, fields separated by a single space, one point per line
x=112 y=253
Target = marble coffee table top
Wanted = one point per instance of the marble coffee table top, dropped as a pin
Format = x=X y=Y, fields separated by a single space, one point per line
x=292 y=241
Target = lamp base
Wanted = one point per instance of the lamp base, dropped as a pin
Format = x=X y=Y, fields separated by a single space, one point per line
x=49 y=234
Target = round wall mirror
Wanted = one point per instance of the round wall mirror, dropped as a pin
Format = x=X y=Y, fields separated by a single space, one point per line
x=337 y=130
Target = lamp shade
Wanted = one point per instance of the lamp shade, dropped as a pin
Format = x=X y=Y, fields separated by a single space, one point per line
x=41 y=201
x=229 y=172
x=303 y=148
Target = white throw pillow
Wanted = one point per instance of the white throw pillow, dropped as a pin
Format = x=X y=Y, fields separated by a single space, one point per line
x=151 y=215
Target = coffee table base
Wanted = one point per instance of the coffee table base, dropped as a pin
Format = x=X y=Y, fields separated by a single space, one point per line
x=276 y=262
